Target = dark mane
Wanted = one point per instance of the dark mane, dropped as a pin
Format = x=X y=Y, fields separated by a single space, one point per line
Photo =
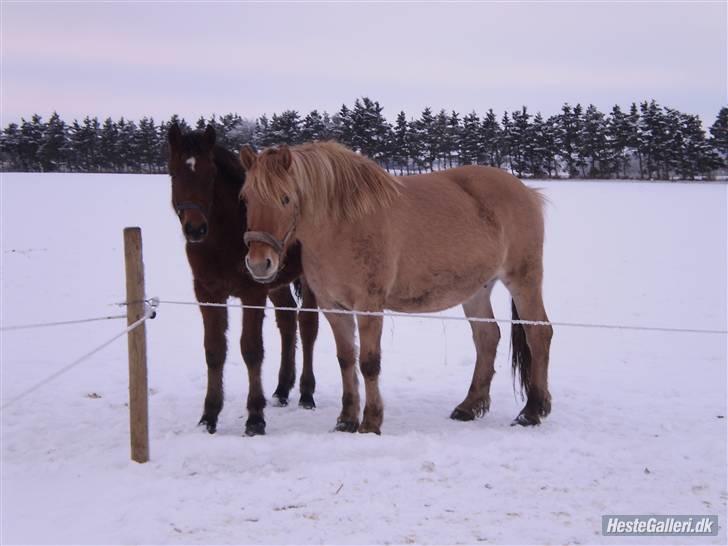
x=228 y=166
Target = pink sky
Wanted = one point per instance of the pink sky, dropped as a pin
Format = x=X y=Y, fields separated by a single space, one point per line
x=159 y=58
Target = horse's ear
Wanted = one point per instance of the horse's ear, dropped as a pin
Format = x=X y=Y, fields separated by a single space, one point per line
x=248 y=156
x=285 y=156
x=210 y=135
x=174 y=135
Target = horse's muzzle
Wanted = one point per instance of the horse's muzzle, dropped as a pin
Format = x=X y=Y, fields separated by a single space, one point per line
x=195 y=234
x=264 y=271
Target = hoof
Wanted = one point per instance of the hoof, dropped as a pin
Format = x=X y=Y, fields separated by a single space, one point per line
x=280 y=398
x=526 y=420
x=346 y=426
x=255 y=426
x=462 y=415
x=364 y=429
x=306 y=401
x=210 y=424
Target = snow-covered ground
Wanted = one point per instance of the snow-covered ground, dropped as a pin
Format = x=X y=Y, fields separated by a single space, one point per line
x=638 y=423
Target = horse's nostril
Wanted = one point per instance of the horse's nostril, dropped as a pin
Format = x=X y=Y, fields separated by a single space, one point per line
x=203 y=229
x=188 y=229
x=268 y=263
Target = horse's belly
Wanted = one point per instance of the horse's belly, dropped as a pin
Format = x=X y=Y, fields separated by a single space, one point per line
x=435 y=296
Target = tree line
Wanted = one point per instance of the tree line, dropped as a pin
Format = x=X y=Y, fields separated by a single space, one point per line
x=645 y=141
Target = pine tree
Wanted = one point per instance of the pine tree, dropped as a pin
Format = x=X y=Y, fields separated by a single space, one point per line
x=51 y=152
x=719 y=133
x=617 y=145
x=521 y=151
x=343 y=127
x=424 y=133
x=10 y=148
x=454 y=138
x=567 y=138
x=470 y=140
x=30 y=141
x=146 y=139
x=494 y=143
x=399 y=144
x=108 y=136
x=370 y=131
x=313 y=127
x=593 y=142
x=505 y=141
x=285 y=128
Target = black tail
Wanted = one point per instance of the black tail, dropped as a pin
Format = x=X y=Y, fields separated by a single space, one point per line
x=297 y=289
x=521 y=354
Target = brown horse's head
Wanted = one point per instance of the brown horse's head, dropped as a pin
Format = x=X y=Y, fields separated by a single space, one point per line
x=193 y=172
x=271 y=218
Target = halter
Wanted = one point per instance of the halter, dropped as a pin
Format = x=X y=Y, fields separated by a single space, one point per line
x=179 y=209
x=279 y=245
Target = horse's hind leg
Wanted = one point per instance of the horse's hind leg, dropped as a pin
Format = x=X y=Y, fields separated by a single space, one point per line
x=308 y=323
x=286 y=321
x=215 y=322
x=530 y=347
x=485 y=336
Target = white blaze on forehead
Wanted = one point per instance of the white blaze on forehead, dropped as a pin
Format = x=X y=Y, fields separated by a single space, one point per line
x=191 y=162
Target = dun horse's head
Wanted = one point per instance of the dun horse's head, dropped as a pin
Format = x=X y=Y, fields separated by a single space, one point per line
x=193 y=171
x=272 y=206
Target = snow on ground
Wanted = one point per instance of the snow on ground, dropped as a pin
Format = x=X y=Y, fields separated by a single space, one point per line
x=635 y=427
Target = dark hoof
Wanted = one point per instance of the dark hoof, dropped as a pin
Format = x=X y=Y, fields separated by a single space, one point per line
x=526 y=420
x=255 y=426
x=306 y=401
x=364 y=428
x=280 y=396
x=462 y=415
x=210 y=424
x=346 y=426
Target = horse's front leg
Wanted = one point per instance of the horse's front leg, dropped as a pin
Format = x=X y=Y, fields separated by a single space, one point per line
x=308 y=323
x=251 y=347
x=370 y=355
x=286 y=321
x=215 y=322
x=343 y=328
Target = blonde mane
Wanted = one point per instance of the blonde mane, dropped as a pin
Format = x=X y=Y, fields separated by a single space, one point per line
x=327 y=179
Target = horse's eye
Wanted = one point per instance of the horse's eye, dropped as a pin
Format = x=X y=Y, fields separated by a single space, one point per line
x=285 y=200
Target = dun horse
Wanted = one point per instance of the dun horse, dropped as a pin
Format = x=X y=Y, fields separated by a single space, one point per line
x=206 y=181
x=418 y=243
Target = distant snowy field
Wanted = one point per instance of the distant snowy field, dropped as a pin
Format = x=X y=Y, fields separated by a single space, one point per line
x=635 y=427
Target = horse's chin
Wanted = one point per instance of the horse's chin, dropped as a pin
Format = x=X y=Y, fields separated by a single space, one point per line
x=264 y=280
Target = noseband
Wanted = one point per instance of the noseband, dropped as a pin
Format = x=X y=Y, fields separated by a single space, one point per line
x=179 y=209
x=279 y=245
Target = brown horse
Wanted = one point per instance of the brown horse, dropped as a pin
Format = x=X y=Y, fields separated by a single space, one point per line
x=418 y=243
x=206 y=181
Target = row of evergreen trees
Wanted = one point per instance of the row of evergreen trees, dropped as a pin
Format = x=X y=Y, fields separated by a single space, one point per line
x=646 y=141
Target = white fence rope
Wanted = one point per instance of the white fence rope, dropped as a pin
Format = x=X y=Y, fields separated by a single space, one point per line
x=149 y=312
x=58 y=323
x=450 y=317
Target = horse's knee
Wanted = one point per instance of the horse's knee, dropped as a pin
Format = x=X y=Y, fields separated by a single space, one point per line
x=253 y=357
x=371 y=366
x=214 y=359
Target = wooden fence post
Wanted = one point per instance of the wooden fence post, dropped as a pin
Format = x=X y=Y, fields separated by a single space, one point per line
x=137 y=338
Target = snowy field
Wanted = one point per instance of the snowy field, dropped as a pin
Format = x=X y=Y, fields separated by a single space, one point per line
x=638 y=423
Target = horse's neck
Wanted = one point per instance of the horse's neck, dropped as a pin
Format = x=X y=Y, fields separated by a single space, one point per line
x=226 y=217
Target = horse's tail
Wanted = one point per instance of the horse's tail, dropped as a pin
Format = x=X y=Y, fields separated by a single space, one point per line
x=297 y=289
x=520 y=353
